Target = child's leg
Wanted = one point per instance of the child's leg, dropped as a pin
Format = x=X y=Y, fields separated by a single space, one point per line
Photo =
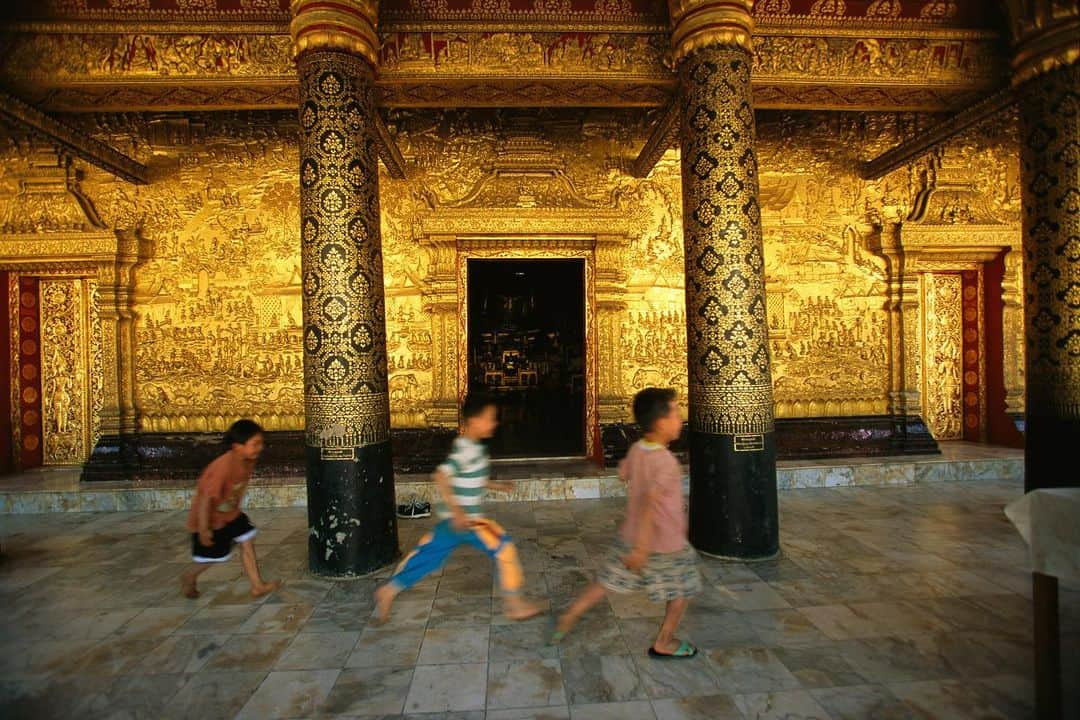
x=251 y=569
x=188 y=584
x=490 y=537
x=428 y=556
x=584 y=602
x=665 y=639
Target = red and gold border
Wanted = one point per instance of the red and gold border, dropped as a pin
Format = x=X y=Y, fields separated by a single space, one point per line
x=31 y=446
x=973 y=354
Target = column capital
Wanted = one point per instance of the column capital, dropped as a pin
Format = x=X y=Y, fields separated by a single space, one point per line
x=1044 y=36
x=701 y=23
x=346 y=25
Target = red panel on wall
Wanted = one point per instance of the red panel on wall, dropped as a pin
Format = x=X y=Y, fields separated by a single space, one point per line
x=31 y=450
x=972 y=357
x=7 y=458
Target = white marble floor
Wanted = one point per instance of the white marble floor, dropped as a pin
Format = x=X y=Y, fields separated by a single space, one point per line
x=888 y=602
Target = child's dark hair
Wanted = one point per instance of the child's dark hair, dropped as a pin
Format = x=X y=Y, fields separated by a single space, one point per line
x=475 y=403
x=241 y=431
x=650 y=405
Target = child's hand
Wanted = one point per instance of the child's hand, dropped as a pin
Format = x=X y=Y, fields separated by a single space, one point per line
x=459 y=521
x=635 y=560
x=206 y=538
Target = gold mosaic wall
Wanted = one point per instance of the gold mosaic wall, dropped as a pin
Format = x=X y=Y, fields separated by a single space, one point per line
x=218 y=301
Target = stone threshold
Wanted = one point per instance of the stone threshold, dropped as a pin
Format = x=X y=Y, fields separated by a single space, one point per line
x=59 y=490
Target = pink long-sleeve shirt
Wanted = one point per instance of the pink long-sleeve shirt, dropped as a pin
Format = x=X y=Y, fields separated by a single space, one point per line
x=650 y=470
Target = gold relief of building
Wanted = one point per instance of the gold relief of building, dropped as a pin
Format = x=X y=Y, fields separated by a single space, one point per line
x=204 y=320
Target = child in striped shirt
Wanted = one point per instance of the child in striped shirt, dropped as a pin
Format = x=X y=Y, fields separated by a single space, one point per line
x=462 y=480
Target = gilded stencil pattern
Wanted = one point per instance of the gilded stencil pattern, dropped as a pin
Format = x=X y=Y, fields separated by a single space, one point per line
x=345 y=366
x=942 y=346
x=730 y=388
x=1050 y=153
x=63 y=372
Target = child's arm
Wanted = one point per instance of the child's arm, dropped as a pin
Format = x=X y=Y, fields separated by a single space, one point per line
x=442 y=482
x=639 y=554
x=206 y=538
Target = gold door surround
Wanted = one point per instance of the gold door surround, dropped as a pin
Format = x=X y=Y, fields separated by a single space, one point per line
x=563 y=248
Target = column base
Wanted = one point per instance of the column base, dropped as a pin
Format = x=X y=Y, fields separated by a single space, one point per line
x=353 y=526
x=733 y=505
x=1047 y=440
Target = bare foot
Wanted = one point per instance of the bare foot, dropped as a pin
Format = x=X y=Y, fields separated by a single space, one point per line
x=188 y=587
x=384 y=600
x=522 y=610
x=265 y=588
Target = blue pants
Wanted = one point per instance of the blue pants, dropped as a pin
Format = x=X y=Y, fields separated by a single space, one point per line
x=435 y=547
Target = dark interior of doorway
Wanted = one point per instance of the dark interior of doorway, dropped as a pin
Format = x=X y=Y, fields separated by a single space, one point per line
x=527 y=348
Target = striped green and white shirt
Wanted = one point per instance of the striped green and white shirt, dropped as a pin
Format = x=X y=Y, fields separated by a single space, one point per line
x=468 y=467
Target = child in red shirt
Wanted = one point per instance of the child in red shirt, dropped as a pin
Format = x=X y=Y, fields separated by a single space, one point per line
x=215 y=520
x=652 y=552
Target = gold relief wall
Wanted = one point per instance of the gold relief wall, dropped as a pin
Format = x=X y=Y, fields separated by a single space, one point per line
x=217 y=294
x=942 y=382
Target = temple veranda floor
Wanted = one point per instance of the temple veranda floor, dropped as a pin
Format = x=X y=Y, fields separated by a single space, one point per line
x=888 y=602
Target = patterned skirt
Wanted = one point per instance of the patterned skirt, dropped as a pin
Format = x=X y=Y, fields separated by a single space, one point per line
x=666 y=576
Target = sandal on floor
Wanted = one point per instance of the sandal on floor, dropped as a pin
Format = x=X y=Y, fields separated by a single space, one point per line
x=686 y=650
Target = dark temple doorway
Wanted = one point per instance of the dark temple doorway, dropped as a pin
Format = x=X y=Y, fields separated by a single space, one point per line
x=527 y=348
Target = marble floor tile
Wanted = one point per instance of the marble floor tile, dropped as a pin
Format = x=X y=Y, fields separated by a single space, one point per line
x=677 y=678
x=599 y=633
x=276 y=619
x=250 y=652
x=220 y=620
x=785 y=628
x=526 y=640
x=946 y=699
x=558 y=712
x=443 y=645
x=181 y=654
x=317 y=651
x=409 y=611
x=702 y=707
x=133 y=696
x=819 y=667
x=601 y=679
x=444 y=688
x=860 y=702
x=213 y=695
x=368 y=691
x=525 y=683
x=635 y=710
x=1014 y=695
x=330 y=617
x=788 y=705
x=289 y=694
x=380 y=647
x=459 y=610
x=750 y=670
x=893 y=660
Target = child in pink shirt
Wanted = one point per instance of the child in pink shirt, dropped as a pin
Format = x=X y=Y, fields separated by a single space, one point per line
x=651 y=552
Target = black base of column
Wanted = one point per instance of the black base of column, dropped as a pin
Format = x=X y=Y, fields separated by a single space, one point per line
x=733 y=508
x=1047 y=441
x=351 y=512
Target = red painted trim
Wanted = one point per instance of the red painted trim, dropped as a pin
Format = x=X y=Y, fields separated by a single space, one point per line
x=31 y=453
x=7 y=457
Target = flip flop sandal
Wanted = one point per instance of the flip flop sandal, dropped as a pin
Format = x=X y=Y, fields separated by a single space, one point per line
x=684 y=652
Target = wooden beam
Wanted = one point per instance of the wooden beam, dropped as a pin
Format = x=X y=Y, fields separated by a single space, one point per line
x=663 y=135
x=389 y=151
x=73 y=141
x=935 y=135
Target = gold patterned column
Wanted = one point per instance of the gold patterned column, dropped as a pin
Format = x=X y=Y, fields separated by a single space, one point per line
x=902 y=306
x=733 y=506
x=1046 y=74
x=610 y=314
x=347 y=425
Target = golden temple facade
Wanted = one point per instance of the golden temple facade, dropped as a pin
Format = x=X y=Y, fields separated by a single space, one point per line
x=169 y=299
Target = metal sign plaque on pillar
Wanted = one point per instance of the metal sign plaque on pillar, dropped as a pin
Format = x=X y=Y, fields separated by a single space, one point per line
x=733 y=503
x=350 y=479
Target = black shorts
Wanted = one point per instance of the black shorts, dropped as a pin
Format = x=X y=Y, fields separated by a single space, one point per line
x=239 y=529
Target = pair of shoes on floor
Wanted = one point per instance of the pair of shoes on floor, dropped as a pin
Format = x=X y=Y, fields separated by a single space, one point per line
x=415 y=508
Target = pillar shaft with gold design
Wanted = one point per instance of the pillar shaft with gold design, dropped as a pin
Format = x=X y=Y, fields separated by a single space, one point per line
x=350 y=478
x=1046 y=74
x=733 y=504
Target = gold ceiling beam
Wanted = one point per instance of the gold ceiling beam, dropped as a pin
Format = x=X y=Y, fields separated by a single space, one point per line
x=662 y=137
x=936 y=135
x=72 y=141
x=389 y=150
